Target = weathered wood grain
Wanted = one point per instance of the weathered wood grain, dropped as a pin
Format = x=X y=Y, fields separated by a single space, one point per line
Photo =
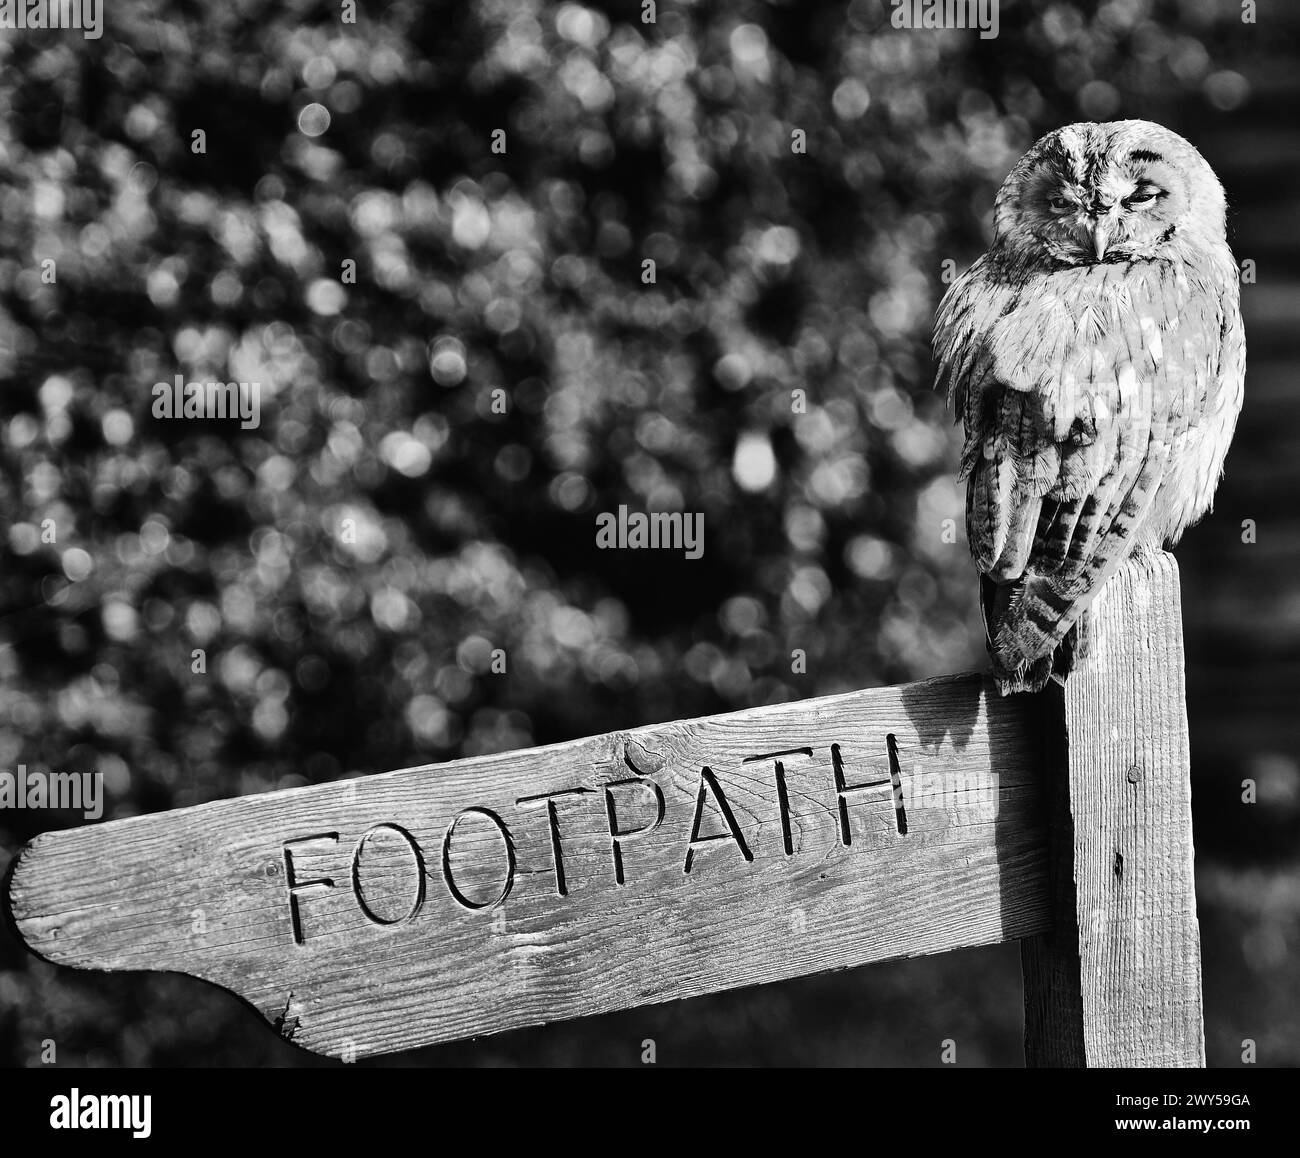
x=1118 y=980
x=386 y=956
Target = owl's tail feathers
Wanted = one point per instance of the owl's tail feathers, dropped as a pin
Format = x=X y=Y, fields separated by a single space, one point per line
x=1031 y=638
x=1030 y=677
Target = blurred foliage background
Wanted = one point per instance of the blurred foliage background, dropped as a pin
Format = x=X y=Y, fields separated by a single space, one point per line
x=776 y=272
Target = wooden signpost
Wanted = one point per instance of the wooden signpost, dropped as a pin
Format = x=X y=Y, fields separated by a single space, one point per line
x=391 y=911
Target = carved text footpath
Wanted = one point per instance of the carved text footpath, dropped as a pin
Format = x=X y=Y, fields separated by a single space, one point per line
x=617 y=798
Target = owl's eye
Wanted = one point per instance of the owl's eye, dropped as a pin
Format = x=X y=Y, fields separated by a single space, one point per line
x=1060 y=204
x=1141 y=199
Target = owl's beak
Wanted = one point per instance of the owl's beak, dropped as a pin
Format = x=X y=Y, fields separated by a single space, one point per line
x=1100 y=239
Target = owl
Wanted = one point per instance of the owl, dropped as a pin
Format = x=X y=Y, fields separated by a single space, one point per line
x=1096 y=357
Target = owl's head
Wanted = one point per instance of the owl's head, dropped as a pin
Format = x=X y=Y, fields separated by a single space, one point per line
x=1115 y=192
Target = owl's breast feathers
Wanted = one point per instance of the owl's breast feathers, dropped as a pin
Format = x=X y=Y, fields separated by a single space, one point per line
x=1098 y=403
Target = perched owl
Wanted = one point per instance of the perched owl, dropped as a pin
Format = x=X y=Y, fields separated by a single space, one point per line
x=1096 y=356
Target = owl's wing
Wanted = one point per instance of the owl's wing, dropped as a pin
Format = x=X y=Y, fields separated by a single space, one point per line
x=1073 y=386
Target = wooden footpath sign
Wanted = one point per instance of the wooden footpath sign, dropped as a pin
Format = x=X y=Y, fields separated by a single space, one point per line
x=391 y=911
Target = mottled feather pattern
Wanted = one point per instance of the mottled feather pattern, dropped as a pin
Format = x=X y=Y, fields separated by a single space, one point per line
x=1096 y=358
